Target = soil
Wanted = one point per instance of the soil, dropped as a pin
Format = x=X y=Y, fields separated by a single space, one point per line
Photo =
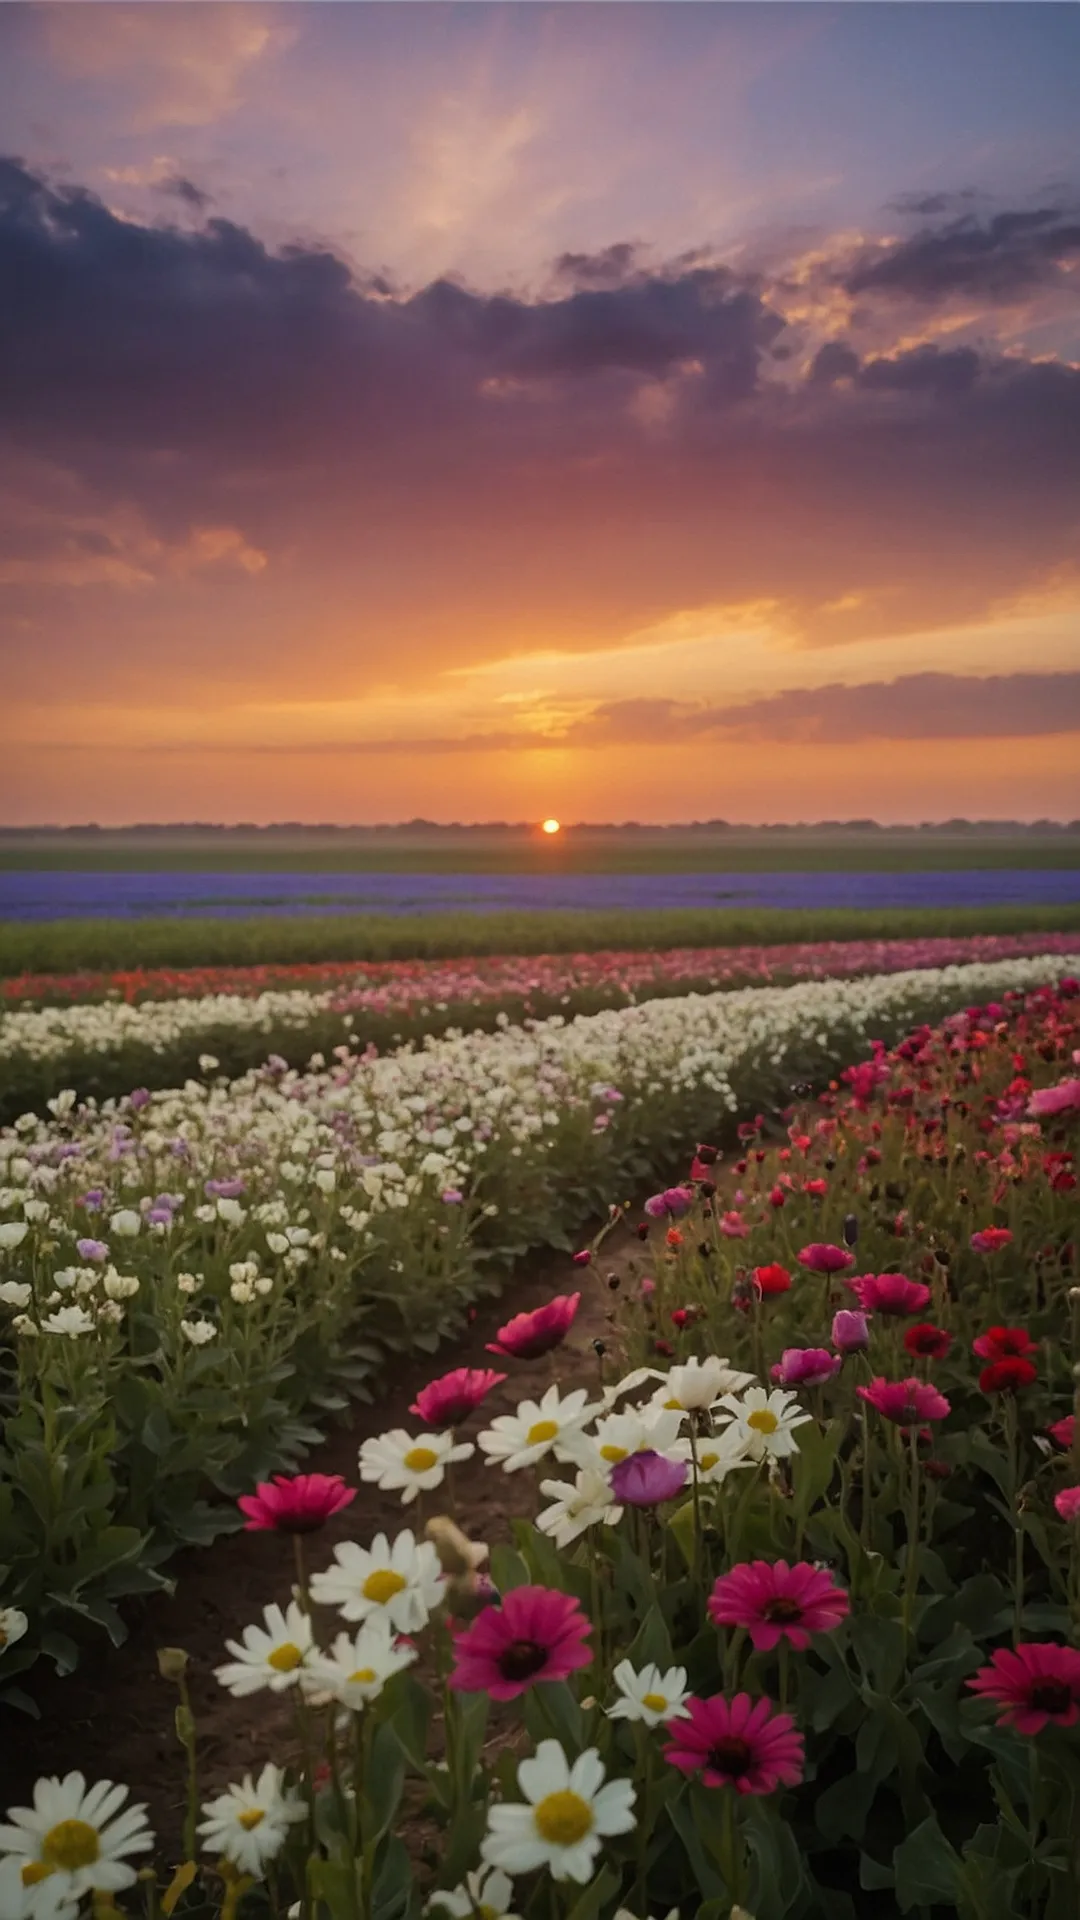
x=113 y=1718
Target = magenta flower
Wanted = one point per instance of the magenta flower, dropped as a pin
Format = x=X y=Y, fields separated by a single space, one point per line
x=448 y=1401
x=1064 y=1098
x=646 y=1478
x=889 y=1293
x=1067 y=1503
x=1063 y=1431
x=300 y=1504
x=990 y=1239
x=528 y=1335
x=535 y=1634
x=1036 y=1684
x=740 y=1743
x=908 y=1402
x=773 y=1601
x=806 y=1367
x=672 y=1204
x=850 y=1333
x=820 y=1257
x=733 y=1226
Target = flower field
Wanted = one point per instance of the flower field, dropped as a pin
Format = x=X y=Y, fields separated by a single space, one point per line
x=105 y=1033
x=794 y=1628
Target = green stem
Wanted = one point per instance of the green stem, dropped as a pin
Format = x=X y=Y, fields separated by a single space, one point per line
x=301 y=1572
x=911 y=1558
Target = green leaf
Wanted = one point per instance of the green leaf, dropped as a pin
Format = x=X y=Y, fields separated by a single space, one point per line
x=385 y=1778
x=927 y=1868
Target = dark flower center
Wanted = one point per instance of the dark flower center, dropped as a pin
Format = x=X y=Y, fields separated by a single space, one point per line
x=521 y=1659
x=1051 y=1696
x=780 y=1611
x=731 y=1757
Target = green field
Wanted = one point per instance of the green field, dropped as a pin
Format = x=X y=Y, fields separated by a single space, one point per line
x=64 y=946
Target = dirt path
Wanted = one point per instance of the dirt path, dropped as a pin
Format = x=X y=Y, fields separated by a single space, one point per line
x=113 y=1718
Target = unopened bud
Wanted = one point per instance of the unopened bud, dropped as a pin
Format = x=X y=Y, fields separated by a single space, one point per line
x=458 y=1555
x=172 y=1663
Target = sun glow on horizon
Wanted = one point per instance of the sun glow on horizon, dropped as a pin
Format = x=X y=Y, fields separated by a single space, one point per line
x=550 y=826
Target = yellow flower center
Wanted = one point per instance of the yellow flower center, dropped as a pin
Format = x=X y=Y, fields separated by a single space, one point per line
x=364 y=1676
x=656 y=1702
x=707 y=1461
x=34 y=1872
x=488 y=1913
x=674 y=1406
x=286 y=1658
x=382 y=1585
x=763 y=1421
x=562 y=1819
x=542 y=1432
x=70 y=1845
x=420 y=1459
x=614 y=1454
x=253 y=1817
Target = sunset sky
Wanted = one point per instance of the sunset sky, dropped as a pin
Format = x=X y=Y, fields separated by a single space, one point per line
x=654 y=411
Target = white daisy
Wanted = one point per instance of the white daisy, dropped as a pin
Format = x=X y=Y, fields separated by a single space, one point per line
x=520 y=1439
x=73 y=1840
x=487 y=1893
x=405 y=1579
x=568 y=1812
x=651 y=1696
x=32 y=1899
x=270 y=1656
x=396 y=1462
x=617 y=1435
x=249 y=1824
x=588 y=1503
x=357 y=1666
x=765 y=1422
x=699 y=1384
x=718 y=1454
x=13 y=1624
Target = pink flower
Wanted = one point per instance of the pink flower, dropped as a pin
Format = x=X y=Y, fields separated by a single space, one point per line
x=1035 y=1684
x=990 y=1239
x=889 y=1293
x=528 y=1335
x=774 y=1601
x=301 y=1504
x=850 y=1333
x=646 y=1478
x=672 y=1204
x=733 y=1226
x=448 y=1401
x=535 y=1634
x=584 y=1258
x=806 y=1366
x=1067 y=1503
x=820 y=1257
x=906 y=1401
x=1064 y=1098
x=740 y=1743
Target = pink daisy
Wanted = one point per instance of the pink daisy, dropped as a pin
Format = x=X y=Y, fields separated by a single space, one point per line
x=774 y=1601
x=1036 y=1684
x=528 y=1335
x=820 y=1257
x=740 y=1743
x=535 y=1634
x=300 y=1504
x=448 y=1401
x=906 y=1401
x=889 y=1293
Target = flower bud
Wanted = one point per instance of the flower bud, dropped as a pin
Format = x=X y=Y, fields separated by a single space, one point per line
x=172 y=1663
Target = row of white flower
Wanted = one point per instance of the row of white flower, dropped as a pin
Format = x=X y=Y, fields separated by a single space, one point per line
x=48 y=1033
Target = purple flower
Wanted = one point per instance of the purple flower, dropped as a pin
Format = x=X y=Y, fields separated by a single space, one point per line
x=672 y=1204
x=806 y=1367
x=645 y=1479
x=140 y=1097
x=452 y=1196
x=850 y=1333
x=91 y=1199
x=92 y=1249
x=160 y=1216
x=223 y=1189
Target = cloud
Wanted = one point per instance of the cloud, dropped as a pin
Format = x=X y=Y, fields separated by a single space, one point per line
x=184 y=64
x=183 y=189
x=998 y=257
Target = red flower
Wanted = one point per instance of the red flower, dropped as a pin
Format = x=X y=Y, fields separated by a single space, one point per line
x=300 y=1504
x=448 y=1401
x=819 y=1188
x=928 y=1342
x=528 y=1335
x=535 y=1634
x=990 y=1239
x=774 y=1279
x=740 y=1743
x=1003 y=1343
x=1036 y=1684
x=1063 y=1431
x=905 y=1401
x=1007 y=1376
x=777 y=1197
x=889 y=1293
x=774 y=1601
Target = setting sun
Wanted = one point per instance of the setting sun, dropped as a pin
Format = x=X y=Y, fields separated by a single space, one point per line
x=550 y=826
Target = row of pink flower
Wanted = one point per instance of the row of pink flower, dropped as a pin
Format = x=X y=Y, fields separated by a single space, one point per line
x=418 y=986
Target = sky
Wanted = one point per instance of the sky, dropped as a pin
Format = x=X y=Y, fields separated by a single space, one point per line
x=607 y=411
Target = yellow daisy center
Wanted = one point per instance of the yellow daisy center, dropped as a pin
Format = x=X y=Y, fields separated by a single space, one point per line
x=286 y=1658
x=382 y=1585
x=252 y=1817
x=763 y=1421
x=70 y=1845
x=34 y=1872
x=562 y=1819
x=674 y=1406
x=543 y=1431
x=656 y=1702
x=707 y=1461
x=488 y=1913
x=363 y=1676
x=614 y=1454
x=420 y=1459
